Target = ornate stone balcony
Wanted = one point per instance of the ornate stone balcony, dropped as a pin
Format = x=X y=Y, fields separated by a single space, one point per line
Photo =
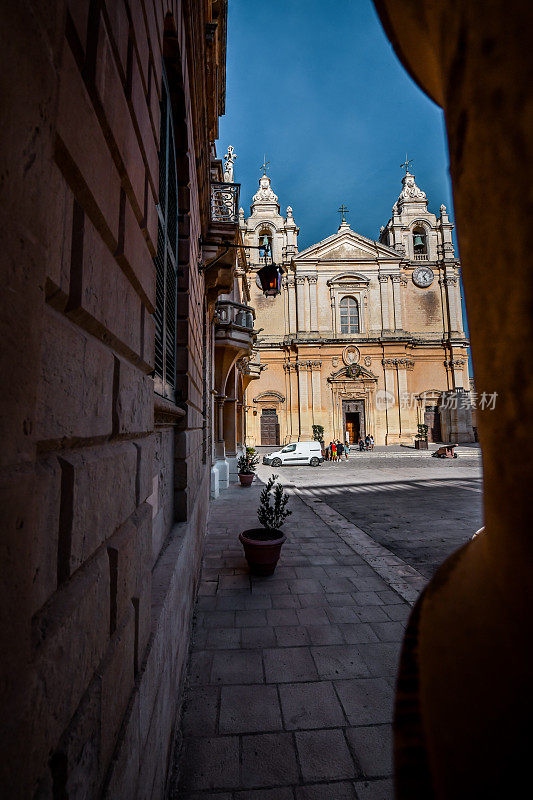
x=421 y=257
x=225 y=203
x=234 y=326
x=219 y=249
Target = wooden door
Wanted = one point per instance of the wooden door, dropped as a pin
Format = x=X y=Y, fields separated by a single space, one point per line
x=432 y=420
x=269 y=427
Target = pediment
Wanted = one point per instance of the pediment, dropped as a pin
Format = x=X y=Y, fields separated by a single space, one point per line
x=348 y=278
x=353 y=372
x=347 y=245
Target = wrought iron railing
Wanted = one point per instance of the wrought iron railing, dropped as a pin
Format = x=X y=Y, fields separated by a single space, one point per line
x=225 y=202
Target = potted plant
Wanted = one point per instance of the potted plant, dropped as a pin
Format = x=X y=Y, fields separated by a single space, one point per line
x=421 y=438
x=318 y=435
x=246 y=464
x=262 y=546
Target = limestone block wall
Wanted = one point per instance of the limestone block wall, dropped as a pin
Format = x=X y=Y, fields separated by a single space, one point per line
x=101 y=530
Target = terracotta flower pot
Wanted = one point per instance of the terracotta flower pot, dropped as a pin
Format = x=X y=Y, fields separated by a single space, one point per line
x=262 y=554
x=421 y=444
x=246 y=478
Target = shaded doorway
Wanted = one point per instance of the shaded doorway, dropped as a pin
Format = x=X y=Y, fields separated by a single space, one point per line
x=353 y=413
x=432 y=420
x=353 y=426
x=269 y=427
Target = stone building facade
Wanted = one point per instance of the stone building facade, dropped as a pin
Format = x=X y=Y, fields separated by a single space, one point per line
x=120 y=234
x=366 y=336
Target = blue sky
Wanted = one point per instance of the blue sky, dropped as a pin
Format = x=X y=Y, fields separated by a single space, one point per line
x=317 y=87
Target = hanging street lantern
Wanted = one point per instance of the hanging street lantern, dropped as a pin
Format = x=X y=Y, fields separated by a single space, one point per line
x=270 y=275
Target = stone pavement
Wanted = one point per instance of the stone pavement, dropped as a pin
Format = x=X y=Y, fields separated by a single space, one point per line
x=291 y=677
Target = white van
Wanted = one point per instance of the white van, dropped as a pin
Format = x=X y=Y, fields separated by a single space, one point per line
x=296 y=453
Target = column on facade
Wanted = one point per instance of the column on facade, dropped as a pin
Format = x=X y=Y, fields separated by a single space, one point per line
x=291 y=304
x=300 y=299
x=403 y=399
x=230 y=426
x=240 y=424
x=391 y=412
x=333 y=310
x=313 y=311
x=219 y=418
x=397 y=300
x=385 y=313
x=459 y=305
x=315 y=391
x=303 y=397
x=451 y=294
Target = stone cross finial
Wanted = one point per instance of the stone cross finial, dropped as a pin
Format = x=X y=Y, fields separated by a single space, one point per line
x=406 y=164
x=264 y=165
x=342 y=211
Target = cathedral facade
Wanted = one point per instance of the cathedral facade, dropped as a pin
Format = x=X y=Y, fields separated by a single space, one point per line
x=366 y=336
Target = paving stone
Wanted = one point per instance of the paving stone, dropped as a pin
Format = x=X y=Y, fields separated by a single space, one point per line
x=200 y=711
x=325 y=634
x=285 y=601
x=339 y=661
x=211 y=763
x=258 y=638
x=389 y=631
x=310 y=705
x=389 y=596
x=270 y=586
x=342 y=614
x=292 y=636
x=381 y=658
x=366 y=701
x=286 y=664
x=327 y=791
x=305 y=586
x=336 y=585
x=217 y=619
x=206 y=796
x=249 y=709
x=315 y=600
x=200 y=667
x=372 y=614
x=281 y=616
x=324 y=755
x=359 y=632
x=224 y=638
x=279 y=793
x=398 y=612
x=375 y=790
x=367 y=599
x=373 y=748
x=312 y=616
x=268 y=760
x=252 y=619
x=237 y=666
x=342 y=599
x=310 y=572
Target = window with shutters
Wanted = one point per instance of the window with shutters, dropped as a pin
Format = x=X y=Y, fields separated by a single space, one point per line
x=349 y=309
x=167 y=250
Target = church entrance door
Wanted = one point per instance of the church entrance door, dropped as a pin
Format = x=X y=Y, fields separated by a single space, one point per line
x=432 y=420
x=269 y=427
x=353 y=412
x=353 y=426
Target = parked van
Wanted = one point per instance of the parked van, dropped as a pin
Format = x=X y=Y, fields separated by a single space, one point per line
x=296 y=453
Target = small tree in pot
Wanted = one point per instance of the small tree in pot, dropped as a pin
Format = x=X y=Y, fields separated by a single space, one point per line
x=262 y=546
x=246 y=464
x=421 y=438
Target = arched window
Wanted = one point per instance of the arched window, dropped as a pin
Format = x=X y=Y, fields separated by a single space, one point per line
x=167 y=248
x=265 y=239
x=349 y=315
x=419 y=241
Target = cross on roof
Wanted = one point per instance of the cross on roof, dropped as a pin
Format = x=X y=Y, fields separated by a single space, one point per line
x=342 y=211
x=264 y=165
x=406 y=164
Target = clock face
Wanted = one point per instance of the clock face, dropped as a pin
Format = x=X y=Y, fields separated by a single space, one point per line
x=423 y=277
